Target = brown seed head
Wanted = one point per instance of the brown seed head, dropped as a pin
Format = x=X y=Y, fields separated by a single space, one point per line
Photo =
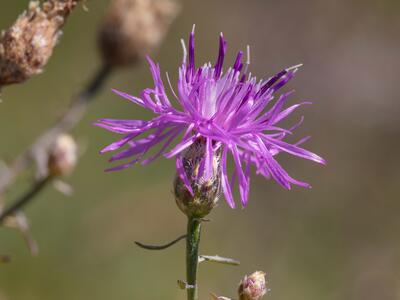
x=253 y=287
x=134 y=28
x=63 y=155
x=206 y=192
x=28 y=44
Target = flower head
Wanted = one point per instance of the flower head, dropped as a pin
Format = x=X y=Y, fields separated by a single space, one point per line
x=231 y=112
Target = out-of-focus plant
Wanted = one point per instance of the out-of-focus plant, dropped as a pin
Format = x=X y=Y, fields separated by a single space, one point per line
x=137 y=26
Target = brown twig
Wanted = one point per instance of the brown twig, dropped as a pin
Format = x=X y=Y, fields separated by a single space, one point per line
x=37 y=151
x=26 y=198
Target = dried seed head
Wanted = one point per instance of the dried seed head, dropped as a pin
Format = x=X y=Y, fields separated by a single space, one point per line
x=134 y=28
x=253 y=287
x=28 y=44
x=206 y=192
x=63 y=155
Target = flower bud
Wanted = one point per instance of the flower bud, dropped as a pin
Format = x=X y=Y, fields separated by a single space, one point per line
x=28 y=44
x=133 y=28
x=253 y=287
x=206 y=191
x=62 y=156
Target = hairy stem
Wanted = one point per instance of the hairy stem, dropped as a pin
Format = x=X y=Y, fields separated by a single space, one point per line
x=192 y=256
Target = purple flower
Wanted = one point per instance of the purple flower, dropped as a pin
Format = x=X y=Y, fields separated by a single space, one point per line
x=232 y=112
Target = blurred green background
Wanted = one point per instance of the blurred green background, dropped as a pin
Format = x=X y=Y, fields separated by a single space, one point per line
x=339 y=240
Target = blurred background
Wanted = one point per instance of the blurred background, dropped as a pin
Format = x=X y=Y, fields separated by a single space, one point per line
x=339 y=240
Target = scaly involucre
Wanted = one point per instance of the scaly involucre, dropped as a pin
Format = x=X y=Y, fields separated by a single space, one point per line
x=232 y=112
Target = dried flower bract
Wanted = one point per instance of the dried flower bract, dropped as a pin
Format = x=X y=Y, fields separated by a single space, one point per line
x=205 y=191
x=134 y=28
x=28 y=44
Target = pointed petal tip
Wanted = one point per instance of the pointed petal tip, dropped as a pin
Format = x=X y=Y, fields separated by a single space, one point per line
x=294 y=68
x=286 y=186
x=118 y=92
x=318 y=159
x=104 y=150
x=149 y=60
x=244 y=203
x=231 y=204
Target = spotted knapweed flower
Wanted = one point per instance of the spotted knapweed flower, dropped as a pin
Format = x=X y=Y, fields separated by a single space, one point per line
x=229 y=112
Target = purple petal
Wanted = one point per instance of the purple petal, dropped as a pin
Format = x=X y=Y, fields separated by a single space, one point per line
x=174 y=134
x=123 y=166
x=221 y=56
x=182 y=174
x=238 y=62
x=297 y=151
x=288 y=111
x=208 y=159
x=118 y=144
x=181 y=146
x=271 y=82
x=241 y=178
x=133 y=99
x=191 y=66
x=224 y=180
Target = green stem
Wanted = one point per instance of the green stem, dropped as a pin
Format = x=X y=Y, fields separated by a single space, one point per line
x=192 y=256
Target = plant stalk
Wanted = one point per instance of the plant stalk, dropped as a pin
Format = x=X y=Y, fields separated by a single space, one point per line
x=21 y=202
x=192 y=256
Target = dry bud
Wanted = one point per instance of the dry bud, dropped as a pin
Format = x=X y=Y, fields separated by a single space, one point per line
x=134 y=28
x=253 y=287
x=206 y=192
x=63 y=155
x=28 y=44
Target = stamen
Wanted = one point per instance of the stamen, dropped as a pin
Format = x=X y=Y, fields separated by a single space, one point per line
x=184 y=51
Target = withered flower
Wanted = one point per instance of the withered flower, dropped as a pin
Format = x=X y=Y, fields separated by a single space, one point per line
x=28 y=44
x=134 y=28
